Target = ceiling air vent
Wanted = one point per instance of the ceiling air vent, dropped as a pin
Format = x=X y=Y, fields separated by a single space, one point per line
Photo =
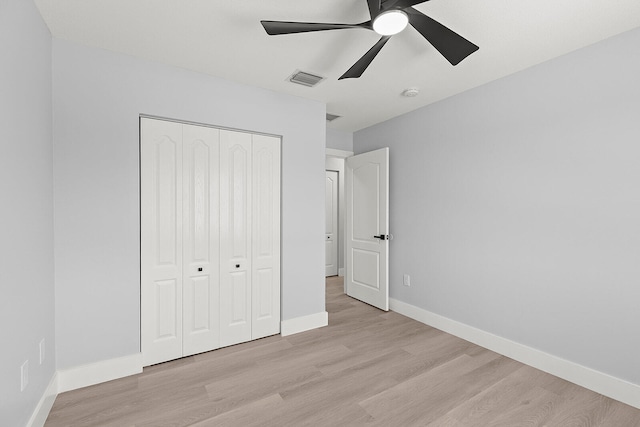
x=332 y=117
x=305 y=79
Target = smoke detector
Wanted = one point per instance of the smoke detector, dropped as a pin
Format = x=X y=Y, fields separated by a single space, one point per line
x=411 y=92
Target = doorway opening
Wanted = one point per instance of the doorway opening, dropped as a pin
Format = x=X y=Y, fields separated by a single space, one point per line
x=364 y=217
x=335 y=164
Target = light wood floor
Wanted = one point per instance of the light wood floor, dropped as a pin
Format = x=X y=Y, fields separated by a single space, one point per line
x=366 y=368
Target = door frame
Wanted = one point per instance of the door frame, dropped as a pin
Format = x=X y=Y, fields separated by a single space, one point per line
x=335 y=161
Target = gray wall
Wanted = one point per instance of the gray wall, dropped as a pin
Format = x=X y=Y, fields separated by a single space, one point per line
x=339 y=140
x=26 y=216
x=98 y=96
x=515 y=206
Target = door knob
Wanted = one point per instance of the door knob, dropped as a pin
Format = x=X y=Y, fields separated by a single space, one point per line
x=382 y=237
x=237 y=265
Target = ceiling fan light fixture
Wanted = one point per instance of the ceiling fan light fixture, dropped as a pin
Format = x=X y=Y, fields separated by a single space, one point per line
x=390 y=22
x=388 y=17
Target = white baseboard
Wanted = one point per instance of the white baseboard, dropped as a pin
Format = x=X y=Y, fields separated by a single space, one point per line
x=599 y=382
x=99 y=372
x=304 y=323
x=341 y=272
x=45 y=404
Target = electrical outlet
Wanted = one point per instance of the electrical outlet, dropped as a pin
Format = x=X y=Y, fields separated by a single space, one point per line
x=42 y=354
x=24 y=375
x=406 y=280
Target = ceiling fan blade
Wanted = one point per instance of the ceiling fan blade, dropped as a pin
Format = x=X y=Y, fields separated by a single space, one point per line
x=450 y=44
x=362 y=64
x=374 y=8
x=274 y=28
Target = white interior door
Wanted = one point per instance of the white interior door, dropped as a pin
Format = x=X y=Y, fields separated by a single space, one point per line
x=161 y=240
x=201 y=256
x=235 y=237
x=367 y=211
x=331 y=219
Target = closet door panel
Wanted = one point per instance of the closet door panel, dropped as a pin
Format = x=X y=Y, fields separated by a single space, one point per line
x=161 y=240
x=201 y=236
x=210 y=238
x=265 y=236
x=235 y=237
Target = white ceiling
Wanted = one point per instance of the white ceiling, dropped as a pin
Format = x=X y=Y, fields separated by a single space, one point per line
x=225 y=39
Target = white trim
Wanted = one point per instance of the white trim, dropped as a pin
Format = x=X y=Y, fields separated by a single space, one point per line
x=597 y=381
x=99 y=372
x=341 y=272
x=206 y=125
x=45 y=404
x=338 y=153
x=304 y=323
x=337 y=164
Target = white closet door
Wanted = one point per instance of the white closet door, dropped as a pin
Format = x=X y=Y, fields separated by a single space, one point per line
x=161 y=240
x=201 y=239
x=265 y=286
x=235 y=237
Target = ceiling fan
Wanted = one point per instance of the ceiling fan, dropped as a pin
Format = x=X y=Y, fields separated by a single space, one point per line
x=388 y=17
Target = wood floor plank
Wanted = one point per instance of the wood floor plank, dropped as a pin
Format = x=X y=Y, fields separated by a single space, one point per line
x=367 y=368
x=494 y=400
x=621 y=415
x=247 y=415
x=585 y=408
x=444 y=349
x=536 y=407
x=362 y=380
x=439 y=390
x=400 y=402
x=446 y=421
